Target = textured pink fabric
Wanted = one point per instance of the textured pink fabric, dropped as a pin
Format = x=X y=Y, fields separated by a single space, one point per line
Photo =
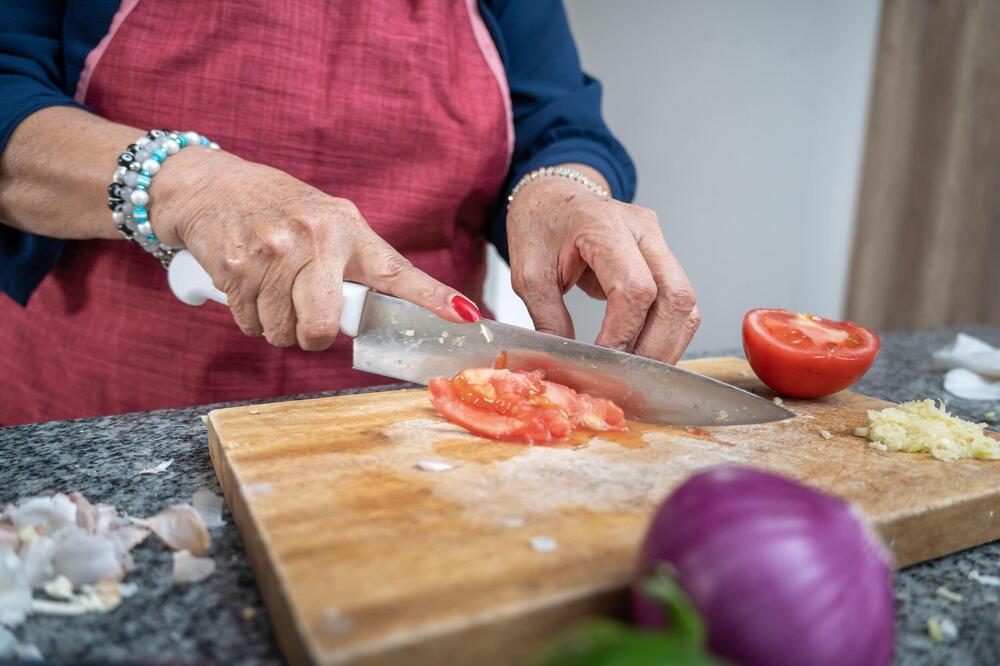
x=492 y=57
x=94 y=57
x=390 y=104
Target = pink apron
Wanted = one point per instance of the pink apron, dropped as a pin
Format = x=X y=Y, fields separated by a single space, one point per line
x=398 y=106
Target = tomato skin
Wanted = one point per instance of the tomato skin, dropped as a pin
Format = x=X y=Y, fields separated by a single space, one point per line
x=818 y=364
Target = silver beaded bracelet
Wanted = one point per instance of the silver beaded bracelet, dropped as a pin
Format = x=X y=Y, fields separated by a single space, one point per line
x=563 y=172
x=128 y=193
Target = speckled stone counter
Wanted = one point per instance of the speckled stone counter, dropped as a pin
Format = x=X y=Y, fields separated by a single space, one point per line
x=223 y=620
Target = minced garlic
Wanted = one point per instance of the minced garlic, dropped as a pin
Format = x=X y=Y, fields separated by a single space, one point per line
x=922 y=426
x=941 y=629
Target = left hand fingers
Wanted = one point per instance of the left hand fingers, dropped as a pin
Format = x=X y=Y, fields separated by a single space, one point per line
x=625 y=278
x=673 y=317
x=589 y=284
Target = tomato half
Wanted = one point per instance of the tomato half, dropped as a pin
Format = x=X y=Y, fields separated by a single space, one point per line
x=805 y=356
x=520 y=406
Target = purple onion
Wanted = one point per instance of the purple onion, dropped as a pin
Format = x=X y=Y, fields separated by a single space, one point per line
x=782 y=574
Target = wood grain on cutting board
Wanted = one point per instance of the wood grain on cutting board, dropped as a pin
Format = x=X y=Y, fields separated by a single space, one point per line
x=363 y=557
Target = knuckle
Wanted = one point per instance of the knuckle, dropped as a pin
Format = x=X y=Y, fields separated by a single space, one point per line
x=694 y=320
x=232 y=270
x=639 y=291
x=308 y=227
x=527 y=279
x=646 y=215
x=275 y=243
x=346 y=208
x=393 y=266
x=680 y=300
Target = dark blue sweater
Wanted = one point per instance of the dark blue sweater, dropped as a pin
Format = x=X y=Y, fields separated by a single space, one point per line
x=557 y=108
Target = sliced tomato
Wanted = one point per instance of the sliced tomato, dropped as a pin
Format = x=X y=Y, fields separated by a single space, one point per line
x=805 y=356
x=520 y=406
x=485 y=422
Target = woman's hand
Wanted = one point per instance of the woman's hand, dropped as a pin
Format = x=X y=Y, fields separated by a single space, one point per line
x=561 y=234
x=281 y=249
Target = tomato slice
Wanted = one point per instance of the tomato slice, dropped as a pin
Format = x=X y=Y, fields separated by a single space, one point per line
x=520 y=406
x=806 y=356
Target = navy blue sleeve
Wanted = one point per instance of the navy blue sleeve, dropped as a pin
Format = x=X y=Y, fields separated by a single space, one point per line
x=557 y=107
x=30 y=79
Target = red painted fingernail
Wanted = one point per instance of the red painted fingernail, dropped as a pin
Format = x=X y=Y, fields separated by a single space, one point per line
x=465 y=308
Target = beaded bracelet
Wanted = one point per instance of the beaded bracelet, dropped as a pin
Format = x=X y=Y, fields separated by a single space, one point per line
x=128 y=193
x=564 y=172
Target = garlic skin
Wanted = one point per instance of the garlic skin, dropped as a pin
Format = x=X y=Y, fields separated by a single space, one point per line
x=76 y=553
x=209 y=507
x=190 y=569
x=156 y=469
x=180 y=527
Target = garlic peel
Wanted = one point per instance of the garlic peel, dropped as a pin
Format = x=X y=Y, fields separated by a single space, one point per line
x=190 y=569
x=180 y=527
x=209 y=507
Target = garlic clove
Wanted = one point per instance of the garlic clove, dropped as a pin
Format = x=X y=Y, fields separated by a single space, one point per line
x=15 y=591
x=37 y=560
x=86 y=558
x=51 y=513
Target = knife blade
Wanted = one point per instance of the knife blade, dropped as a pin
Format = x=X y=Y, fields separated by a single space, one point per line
x=400 y=340
x=403 y=341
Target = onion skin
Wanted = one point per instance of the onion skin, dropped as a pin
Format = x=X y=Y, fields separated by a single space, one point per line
x=782 y=574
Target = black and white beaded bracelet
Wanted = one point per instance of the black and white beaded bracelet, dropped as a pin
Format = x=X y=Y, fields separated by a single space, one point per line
x=128 y=193
x=563 y=172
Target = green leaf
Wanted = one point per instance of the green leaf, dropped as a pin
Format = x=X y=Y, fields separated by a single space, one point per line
x=601 y=642
x=683 y=620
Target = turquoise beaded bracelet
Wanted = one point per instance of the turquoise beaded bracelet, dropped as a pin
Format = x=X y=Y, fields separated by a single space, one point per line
x=128 y=193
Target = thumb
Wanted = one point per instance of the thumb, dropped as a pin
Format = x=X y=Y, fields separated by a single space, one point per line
x=548 y=311
x=544 y=299
x=380 y=267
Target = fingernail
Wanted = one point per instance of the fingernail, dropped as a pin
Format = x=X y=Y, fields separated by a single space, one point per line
x=465 y=308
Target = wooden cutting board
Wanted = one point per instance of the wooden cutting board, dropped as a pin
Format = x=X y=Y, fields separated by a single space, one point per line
x=362 y=557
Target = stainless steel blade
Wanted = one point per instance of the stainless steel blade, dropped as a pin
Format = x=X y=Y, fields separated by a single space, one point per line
x=403 y=341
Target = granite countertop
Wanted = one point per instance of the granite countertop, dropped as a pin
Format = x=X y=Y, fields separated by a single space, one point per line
x=223 y=620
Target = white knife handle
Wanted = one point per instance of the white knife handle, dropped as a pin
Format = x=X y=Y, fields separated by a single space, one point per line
x=193 y=285
x=190 y=282
x=352 y=305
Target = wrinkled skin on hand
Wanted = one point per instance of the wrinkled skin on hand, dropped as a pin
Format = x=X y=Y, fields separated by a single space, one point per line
x=560 y=234
x=281 y=249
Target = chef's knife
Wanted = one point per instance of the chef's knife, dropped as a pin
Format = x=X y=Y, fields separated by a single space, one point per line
x=400 y=340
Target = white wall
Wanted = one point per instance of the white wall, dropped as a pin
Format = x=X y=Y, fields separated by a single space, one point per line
x=746 y=122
